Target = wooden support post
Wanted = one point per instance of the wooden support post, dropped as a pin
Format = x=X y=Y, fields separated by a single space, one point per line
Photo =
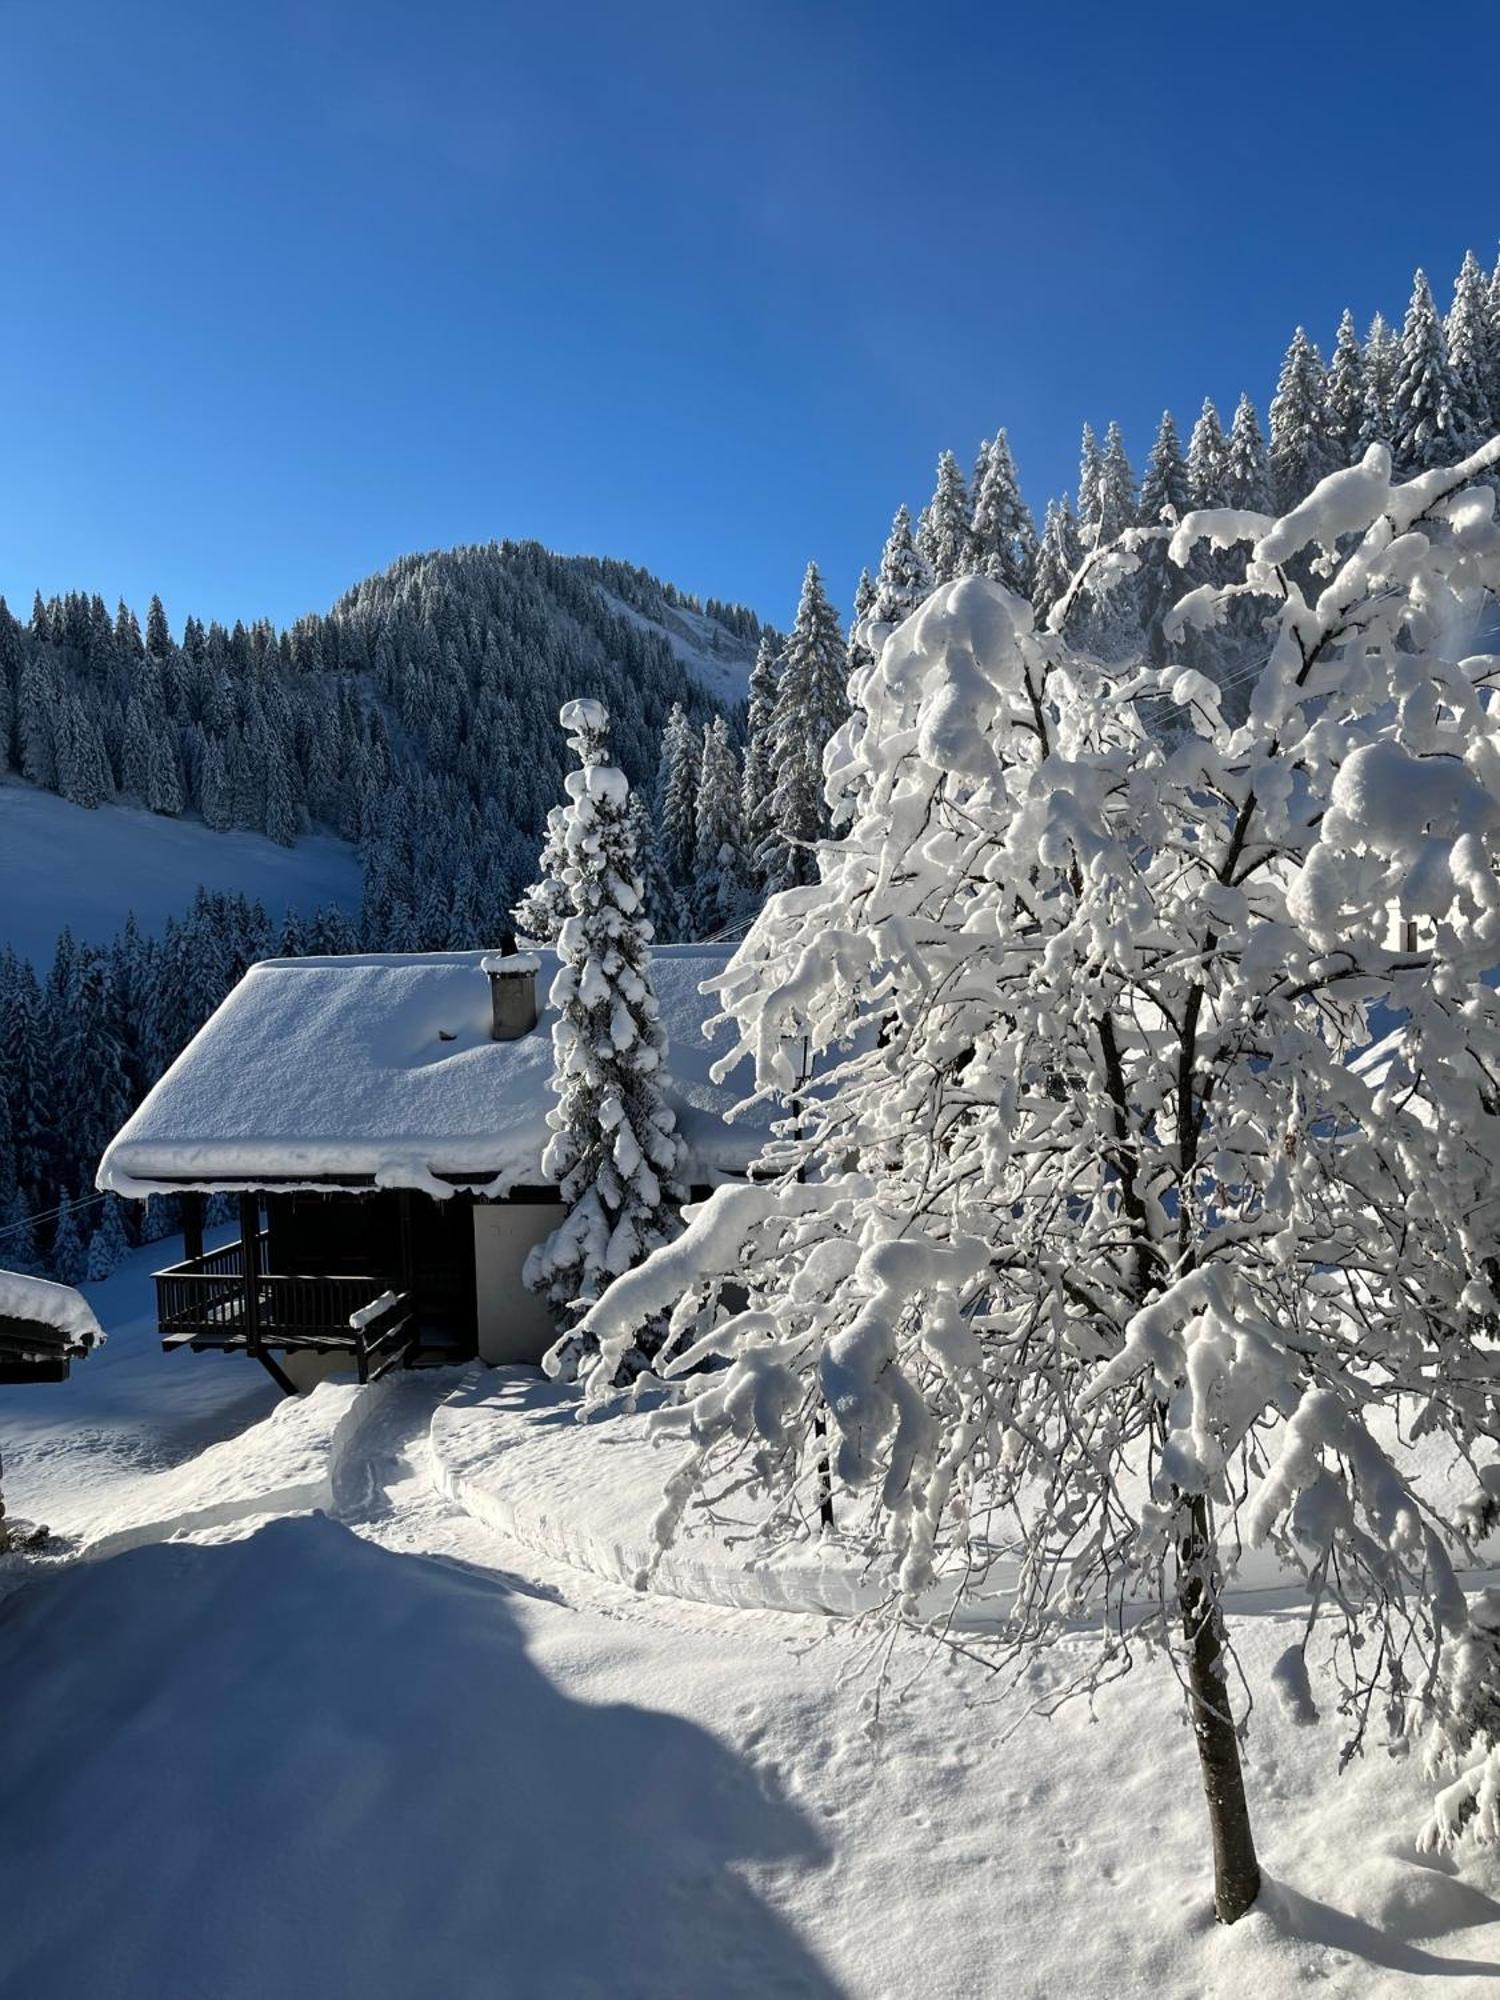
x=192 y=1225
x=250 y=1266
x=403 y=1227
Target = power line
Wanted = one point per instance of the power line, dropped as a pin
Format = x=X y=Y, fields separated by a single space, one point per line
x=50 y=1214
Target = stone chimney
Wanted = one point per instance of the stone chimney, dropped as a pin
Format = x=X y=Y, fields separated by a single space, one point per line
x=512 y=976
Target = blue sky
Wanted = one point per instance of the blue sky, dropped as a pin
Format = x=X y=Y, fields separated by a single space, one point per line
x=292 y=289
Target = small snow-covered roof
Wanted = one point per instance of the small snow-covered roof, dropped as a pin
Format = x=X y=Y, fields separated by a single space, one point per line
x=382 y=1068
x=63 y=1319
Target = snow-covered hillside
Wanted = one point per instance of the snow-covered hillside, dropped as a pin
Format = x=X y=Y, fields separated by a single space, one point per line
x=716 y=658
x=65 y=865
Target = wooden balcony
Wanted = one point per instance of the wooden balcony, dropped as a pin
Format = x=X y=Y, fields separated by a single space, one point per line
x=225 y=1300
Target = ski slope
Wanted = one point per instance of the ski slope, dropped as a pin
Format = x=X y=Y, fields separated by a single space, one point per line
x=62 y=864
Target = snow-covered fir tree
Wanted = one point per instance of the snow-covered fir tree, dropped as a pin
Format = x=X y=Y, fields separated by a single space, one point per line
x=1382 y=354
x=1110 y=621
x=720 y=890
x=614 y=1151
x=811 y=703
x=659 y=897
x=944 y=535
x=1473 y=350
x=677 y=797
x=857 y=655
x=1058 y=555
x=539 y=915
x=1247 y=477
x=1207 y=457
x=1004 y=534
x=1090 y=476
x=68 y=1258
x=1165 y=496
x=1348 y=394
x=1299 y=425
x=108 y=1242
x=758 y=779
x=18 y=1244
x=1118 y=507
x=1166 y=491
x=1427 y=413
x=1097 y=1226
x=904 y=580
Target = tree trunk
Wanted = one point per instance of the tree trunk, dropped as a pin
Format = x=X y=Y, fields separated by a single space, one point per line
x=825 y=1472
x=1236 y=1870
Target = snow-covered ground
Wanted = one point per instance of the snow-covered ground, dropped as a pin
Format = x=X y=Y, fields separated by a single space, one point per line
x=389 y=1747
x=64 y=864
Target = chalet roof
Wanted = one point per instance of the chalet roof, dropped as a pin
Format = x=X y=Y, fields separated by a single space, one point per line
x=51 y=1320
x=382 y=1068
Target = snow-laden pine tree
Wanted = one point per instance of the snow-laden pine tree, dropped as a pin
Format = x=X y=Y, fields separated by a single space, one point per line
x=1165 y=497
x=758 y=780
x=1109 y=621
x=1207 y=451
x=1148 y=1209
x=944 y=536
x=543 y=908
x=1382 y=353
x=158 y=632
x=68 y=1260
x=614 y=1150
x=719 y=889
x=1058 y=556
x=1247 y=478
x=811 y=703
x=1165 y=489
x=1118 y=507
x=1427 y=413
x=1004 y=533
x=1348 y=392
x=676 y=797
x=18 y=1239
x=1090 y=475
x=1473 y=349
x=108 y=1243
x=1299 y=453
x=659 y=898
x=904 y=579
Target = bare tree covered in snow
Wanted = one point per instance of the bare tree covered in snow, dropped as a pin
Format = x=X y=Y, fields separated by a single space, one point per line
x=614 y=1149
x=1150 y=1185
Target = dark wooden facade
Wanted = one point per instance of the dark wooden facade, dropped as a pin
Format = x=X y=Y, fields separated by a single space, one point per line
x=383 y=1277
x=31 y=1352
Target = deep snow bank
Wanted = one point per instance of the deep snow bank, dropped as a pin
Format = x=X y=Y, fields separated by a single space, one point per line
x=507 y=1447
x=288 y=1463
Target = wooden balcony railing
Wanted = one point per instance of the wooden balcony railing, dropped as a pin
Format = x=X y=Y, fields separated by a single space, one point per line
x=218 y=1301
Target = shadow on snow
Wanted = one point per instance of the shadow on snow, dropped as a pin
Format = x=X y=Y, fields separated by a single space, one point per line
x=302 y=1765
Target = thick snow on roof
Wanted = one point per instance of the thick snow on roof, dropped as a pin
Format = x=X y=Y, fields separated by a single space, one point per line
x=57 y=1307
x=382 y=1067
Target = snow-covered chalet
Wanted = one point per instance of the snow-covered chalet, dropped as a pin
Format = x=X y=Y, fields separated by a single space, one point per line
x=379 y=1121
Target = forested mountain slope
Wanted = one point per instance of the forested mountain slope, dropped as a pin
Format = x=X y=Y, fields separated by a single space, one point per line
x=418 y=718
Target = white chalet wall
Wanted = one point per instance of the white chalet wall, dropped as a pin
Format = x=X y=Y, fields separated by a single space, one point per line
x=514 y=1323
